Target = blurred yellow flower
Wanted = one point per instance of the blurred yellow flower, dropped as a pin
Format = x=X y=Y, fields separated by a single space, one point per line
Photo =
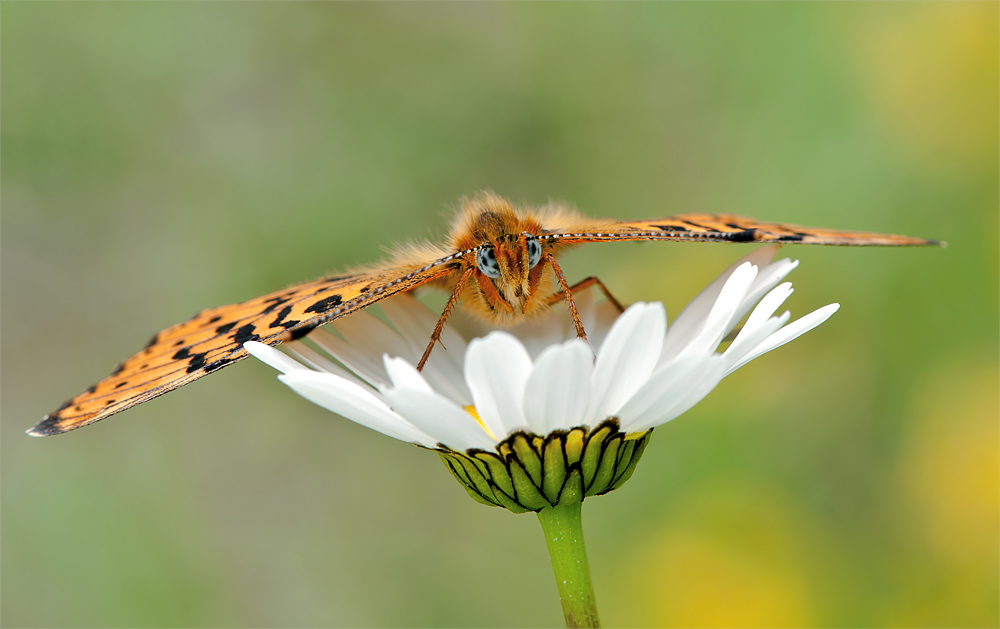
x=931 y=74
x=949 y=467
x=948 y=473
x=732 y=562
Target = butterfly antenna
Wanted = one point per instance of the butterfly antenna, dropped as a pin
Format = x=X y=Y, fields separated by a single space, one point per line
x=439 y=328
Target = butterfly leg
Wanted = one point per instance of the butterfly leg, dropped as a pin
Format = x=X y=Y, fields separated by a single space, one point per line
x=568 y=294
x=587 y=283
x=439 y=328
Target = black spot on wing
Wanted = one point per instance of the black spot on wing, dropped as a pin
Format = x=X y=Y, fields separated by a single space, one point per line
x=301 y=332
x=222 y=329
x=671 y=228
x=214 y=319
x=276 y=301
x=287 y=310
x=218 y=364
x=244 y=334
x=747 y=235
x=181 y=354
x=324 y=304
x=197 y=362
x=795 y=238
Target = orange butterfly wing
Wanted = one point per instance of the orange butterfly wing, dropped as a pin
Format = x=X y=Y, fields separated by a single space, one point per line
x=214 y=338
x=721 y=228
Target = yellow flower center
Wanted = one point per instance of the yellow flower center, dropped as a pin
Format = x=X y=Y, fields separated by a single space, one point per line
x=471 y=410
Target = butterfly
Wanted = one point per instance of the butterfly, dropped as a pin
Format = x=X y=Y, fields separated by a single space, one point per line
x=499 y=261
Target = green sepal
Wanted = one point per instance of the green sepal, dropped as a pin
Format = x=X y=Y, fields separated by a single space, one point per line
x=531 y=462
x=592 y=454
x=498 y=475
x=572 y=490
x=635 y=449
x=527 y=492
x=454 y=464
x=530 y=472
x=555 y=469
x=477 y=479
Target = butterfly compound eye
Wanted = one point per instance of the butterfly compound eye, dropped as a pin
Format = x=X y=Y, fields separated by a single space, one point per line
x=487 y=262
x=534 y=252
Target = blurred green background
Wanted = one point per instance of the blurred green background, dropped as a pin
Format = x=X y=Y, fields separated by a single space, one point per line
x=160 y=158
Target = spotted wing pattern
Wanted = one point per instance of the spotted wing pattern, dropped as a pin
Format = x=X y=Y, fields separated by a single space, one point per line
x=214 y=338
x=721 y=228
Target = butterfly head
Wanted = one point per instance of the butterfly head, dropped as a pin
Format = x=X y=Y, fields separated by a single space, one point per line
x=508 y=256
x=507 y=264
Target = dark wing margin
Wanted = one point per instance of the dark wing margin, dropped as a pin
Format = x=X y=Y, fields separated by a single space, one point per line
x=214 y=338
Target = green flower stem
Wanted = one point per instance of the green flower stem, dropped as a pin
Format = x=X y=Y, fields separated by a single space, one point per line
x=563 y=530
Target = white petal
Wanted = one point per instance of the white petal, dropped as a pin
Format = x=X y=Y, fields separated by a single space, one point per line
x=557 y=394
x=671 y=391
x=368 y=334
x=790 y=332
x=760 y=324
x=604 y=318
x=538 y=340
x=691 y=320
x=319 y=362
x=440 y=418
x=496 y=369
x=662 y=387
x=539 y=334
x=357 y=356
x=405 y=375
x=416 y=322
x=767 y=278
x=750 y=338
x=411 y=318
x=769 y=305
x=446 y=375
x=273 y=357
x=700 y=387
x=627 y=357
x=452 y=386
x=354 y=403
x=717 y=321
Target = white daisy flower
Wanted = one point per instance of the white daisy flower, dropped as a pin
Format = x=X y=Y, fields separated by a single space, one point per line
x=529 y=418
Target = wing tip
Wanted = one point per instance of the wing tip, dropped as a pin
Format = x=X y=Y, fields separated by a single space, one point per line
x=924 y=242
x=45 y=428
